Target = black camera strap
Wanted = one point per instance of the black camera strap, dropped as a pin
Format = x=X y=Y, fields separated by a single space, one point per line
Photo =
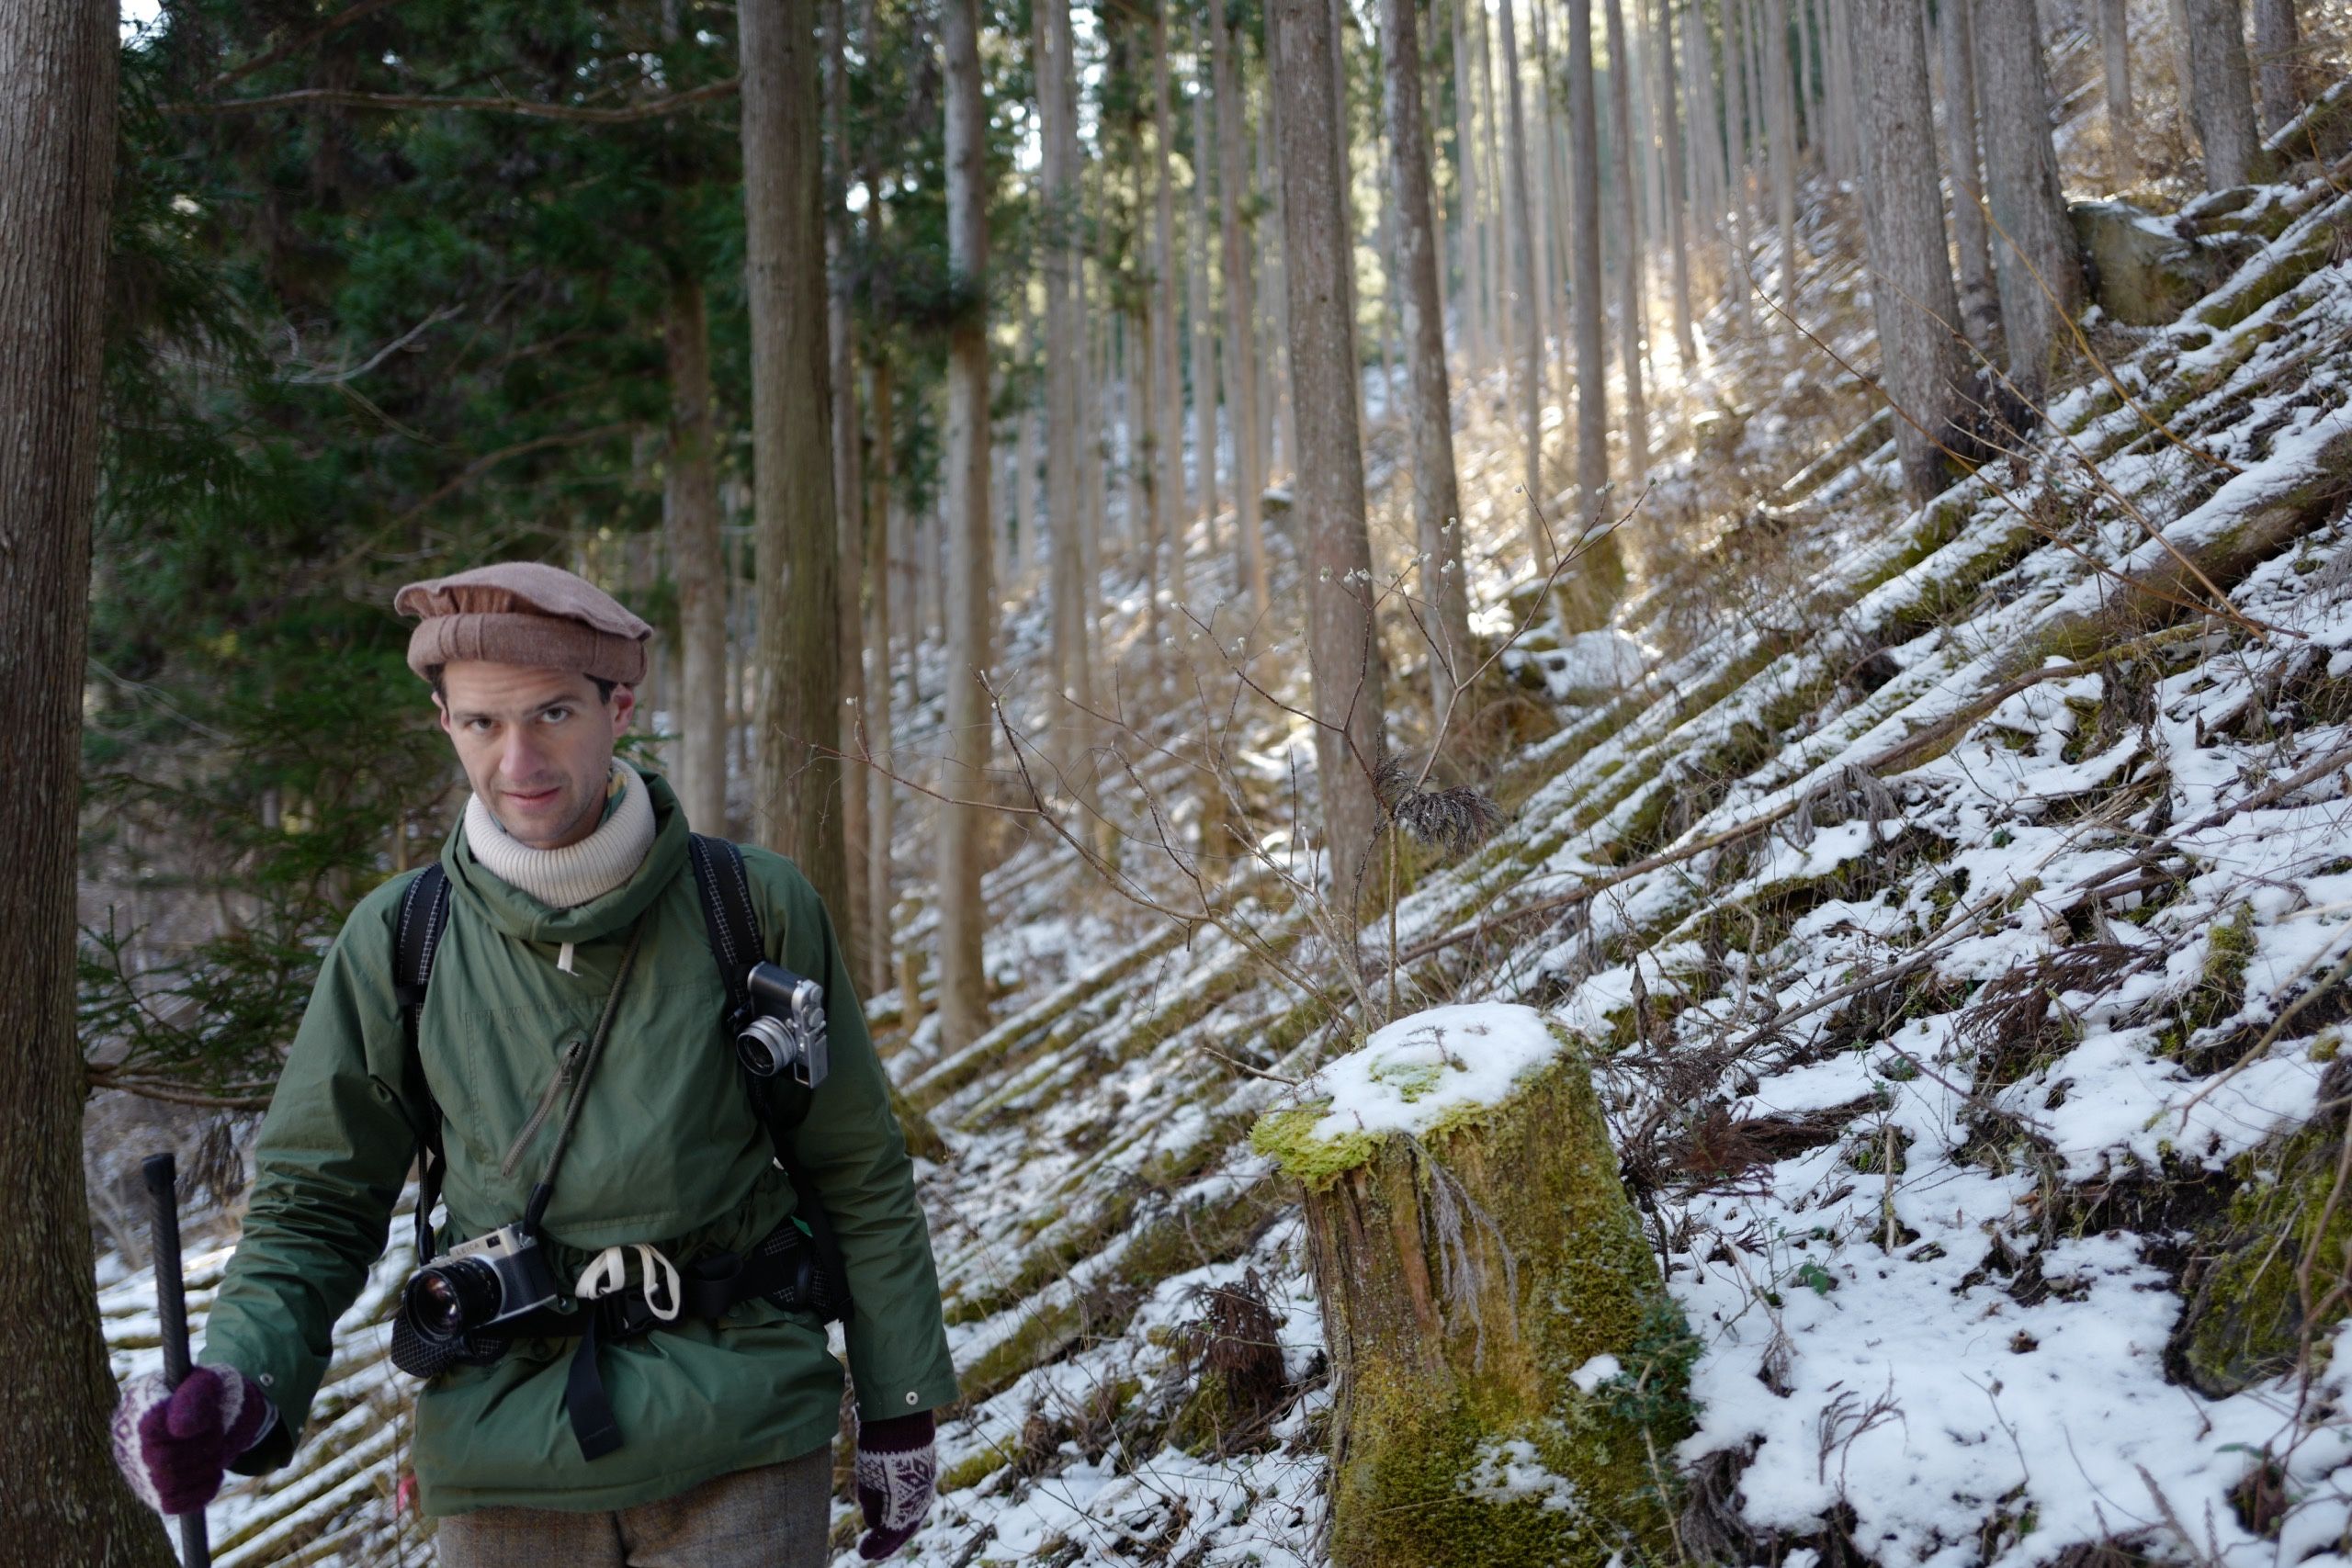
x=425 y=912
x=733 y=926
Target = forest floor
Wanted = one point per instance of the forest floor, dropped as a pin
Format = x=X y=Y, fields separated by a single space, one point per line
x=1958 y=901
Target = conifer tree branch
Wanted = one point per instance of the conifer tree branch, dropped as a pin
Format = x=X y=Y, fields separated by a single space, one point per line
x=578 y=114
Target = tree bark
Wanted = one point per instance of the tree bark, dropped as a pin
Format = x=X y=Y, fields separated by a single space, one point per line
x=1734 y=79
x=1240 y=312
x=1470 y=233
x=691 y=494
x=1437 y=499
x=1072 y=627
x=967 y=583
x=1601 y=574
x=849 y=479
x=2277 y=59
x=1629 y=228
x=1205 y=373
x=1678 y=234
x=1911 y=290
x=1498 y=222
x=1281 y=441
x=1979 y=300
x=1168 y=368
x=792 y=459
x=2115 y=59
x=1527 y=360
x=2221 y=94
x=1342 y=649
x=881 y=818
x=1022 y=567
x=66 y=1503
x=2037 y=260
x=1780 y=139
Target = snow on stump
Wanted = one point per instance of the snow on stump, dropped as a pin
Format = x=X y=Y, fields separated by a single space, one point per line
x=1509 y=1371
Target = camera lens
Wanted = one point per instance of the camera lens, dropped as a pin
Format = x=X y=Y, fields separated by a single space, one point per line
x=764 y=1046
x=448 y=1299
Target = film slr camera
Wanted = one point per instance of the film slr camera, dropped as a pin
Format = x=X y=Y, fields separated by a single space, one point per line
x=451 y=1308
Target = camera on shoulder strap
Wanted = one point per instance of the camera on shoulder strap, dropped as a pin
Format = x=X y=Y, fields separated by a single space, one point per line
x=784 y=1028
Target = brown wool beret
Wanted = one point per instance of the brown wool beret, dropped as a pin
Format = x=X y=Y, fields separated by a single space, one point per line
x=523 y=613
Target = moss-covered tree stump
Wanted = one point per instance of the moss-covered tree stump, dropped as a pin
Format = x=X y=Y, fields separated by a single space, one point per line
x=1509 y=1373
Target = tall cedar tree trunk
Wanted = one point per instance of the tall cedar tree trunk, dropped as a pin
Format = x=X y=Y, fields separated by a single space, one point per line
x=1979 y=302
x=792 y=458
x=1911 y=290
x=1282 y=440
x=1547 y=197
x=2221 y=93
x=1470 y=238
x=849 y=479
x=2036 y=259
x=1527 y=359
x=1437 y=499
x=691 y=493
x=1551 y=217
x=1498 y=222
x=1073 y=640
x=1678 y=234
x=1240 y=313
x=66 y=1504
x=1780 y=141
x=1204 y=372
x=2115 y=59
x=2277 y=49
x=1601 y=573
x=880 y=819
x=967 y=584
x=1020 y=565
x=1166 y=366
x=1343 y=648
x=1629 y=228
x=1735 y=91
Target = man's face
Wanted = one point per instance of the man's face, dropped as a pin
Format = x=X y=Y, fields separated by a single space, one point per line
x=536 y=744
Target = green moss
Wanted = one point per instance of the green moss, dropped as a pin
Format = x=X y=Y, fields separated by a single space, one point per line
x=2245 y=1322
x=2282 y=275
x=1422 y=1436
x=971 y=1471
x=2220 y=990
x=1288 y=1138
x=1044 y=1337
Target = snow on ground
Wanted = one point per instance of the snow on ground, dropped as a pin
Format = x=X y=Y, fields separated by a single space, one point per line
x=1929 y=943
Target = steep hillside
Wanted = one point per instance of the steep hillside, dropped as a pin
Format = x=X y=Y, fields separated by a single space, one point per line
x=1961 y=899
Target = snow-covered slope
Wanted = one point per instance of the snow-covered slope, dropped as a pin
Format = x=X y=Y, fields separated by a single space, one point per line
x=1964 y=910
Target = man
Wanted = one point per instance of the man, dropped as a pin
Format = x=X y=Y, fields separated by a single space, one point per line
x=571 y=1040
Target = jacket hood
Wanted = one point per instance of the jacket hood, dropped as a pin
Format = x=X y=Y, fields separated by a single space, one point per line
x=526 y=919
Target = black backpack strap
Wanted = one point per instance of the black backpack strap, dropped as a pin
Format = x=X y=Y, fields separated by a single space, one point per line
x=425 y=915
x=733 y=925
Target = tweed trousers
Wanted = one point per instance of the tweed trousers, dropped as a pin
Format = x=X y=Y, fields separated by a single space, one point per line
x=772 y=1517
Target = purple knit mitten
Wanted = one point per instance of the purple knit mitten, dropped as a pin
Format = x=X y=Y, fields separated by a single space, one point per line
x=897 y=1471
x=173 y=1446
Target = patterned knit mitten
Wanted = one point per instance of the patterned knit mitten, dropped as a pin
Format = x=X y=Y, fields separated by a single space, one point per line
x=897 y=1471
x=173 y=1446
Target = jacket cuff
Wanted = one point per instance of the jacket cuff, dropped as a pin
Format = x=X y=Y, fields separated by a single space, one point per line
x=878 y=1401
x=290 y=1387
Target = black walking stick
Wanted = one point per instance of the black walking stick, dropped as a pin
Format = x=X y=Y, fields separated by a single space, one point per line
x=171 y=1296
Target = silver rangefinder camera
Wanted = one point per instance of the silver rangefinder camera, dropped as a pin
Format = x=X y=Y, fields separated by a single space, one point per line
x=786 y=1028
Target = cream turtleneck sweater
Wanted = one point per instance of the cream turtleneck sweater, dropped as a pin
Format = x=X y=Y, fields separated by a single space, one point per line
x=576 y=873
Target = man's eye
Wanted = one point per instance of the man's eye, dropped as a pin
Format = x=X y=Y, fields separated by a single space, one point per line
x=478 y=725
x=556 y=716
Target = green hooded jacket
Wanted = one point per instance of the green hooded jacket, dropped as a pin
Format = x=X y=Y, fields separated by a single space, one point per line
x=666 y=1151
